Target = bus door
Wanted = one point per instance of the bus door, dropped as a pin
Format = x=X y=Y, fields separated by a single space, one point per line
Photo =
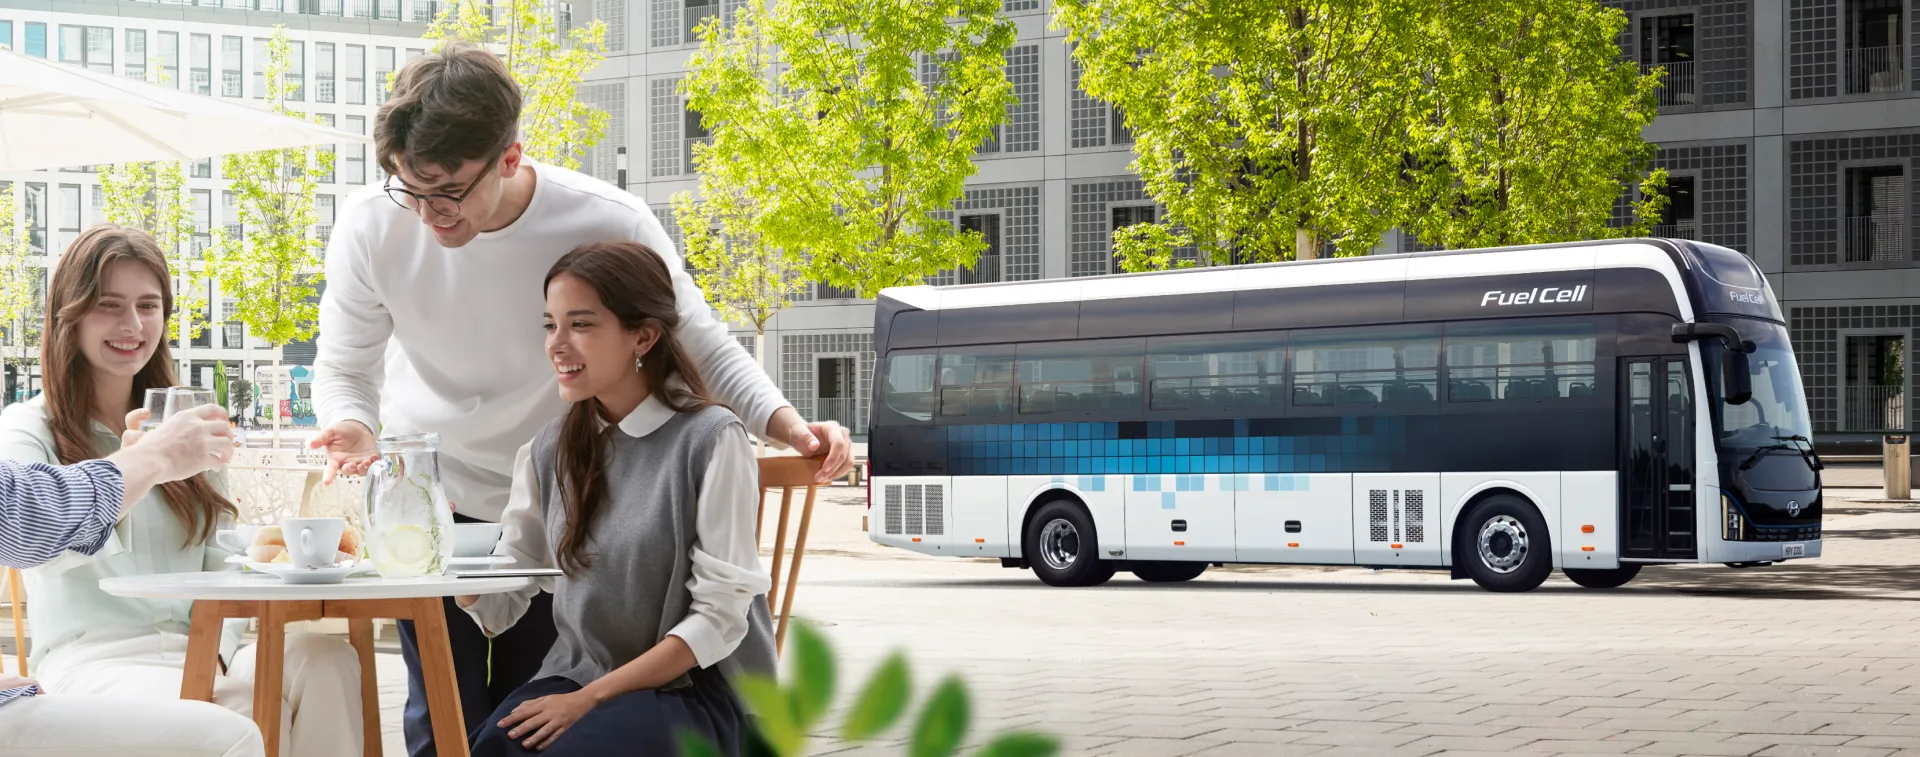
x=1657 y=512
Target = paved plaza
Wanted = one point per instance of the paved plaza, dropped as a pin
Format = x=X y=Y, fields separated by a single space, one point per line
x=1816 y=658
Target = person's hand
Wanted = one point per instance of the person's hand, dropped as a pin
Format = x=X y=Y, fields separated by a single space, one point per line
x=466 y=600
x=184 y=446
x=350 y=449
x=16 y=682
x=837 y=449
x=540 y=721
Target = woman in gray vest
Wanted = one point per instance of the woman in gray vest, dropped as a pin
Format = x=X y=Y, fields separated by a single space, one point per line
x=644 y=495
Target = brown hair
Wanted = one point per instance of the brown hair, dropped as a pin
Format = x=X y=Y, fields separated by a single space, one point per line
x=447 y=108
x=74 y=291
x=633 y=282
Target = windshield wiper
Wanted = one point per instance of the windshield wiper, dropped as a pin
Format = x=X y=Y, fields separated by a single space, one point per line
x=1806 y=455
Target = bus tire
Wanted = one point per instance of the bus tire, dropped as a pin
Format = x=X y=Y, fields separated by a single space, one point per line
x=1167 y=571
x=1061 y=546
x=1505 y=545
x=1603 y=578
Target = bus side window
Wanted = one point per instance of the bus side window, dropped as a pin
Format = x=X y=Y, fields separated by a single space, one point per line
x=1520 y=362
x=977 y=385
x=1366 y=367
x=909 y=385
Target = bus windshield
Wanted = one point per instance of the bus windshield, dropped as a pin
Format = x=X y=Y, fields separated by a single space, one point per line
x=1777 y=414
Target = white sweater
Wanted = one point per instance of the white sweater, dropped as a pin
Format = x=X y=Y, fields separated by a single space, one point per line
x=415 y=337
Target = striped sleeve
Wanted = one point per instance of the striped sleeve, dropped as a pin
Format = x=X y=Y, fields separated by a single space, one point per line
x=47 y=510
x=8 y=695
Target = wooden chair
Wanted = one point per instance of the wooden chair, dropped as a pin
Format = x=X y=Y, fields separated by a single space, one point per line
x=17 y=596
x=786 y=474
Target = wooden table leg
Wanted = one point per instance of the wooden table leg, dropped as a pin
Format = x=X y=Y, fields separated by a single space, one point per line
x=269 y=664
x=203 y=647
x=436 y=666
x=360 y=631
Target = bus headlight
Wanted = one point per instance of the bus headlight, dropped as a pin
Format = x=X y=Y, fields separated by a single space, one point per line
x=1732 y=526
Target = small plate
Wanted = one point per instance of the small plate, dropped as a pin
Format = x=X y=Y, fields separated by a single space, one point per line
x=294 y=575
x=482 y=560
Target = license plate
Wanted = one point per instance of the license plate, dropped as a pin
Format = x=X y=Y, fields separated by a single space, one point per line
x=1793 y=550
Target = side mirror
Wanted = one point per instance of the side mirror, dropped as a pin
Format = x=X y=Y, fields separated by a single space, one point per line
x=1736 y=382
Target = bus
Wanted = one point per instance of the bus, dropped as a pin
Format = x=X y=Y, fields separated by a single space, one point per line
x=1592 y=407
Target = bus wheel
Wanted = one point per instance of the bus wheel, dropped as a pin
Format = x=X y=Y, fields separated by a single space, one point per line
x=1168 y=571
x=1060 y=546
x=1603 y=578
x=1505 y=545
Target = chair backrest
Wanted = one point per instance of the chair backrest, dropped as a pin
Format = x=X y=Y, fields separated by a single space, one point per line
x=18 y=594
x=786 y=473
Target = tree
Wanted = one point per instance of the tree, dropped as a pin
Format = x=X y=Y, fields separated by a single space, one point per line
x=20 y=289
x=272 y=267
x=1266 y=127
x=555 y=127
x=848 y=129
x=1531 y=128
x=241 y=392
x=746 y=278
x=152 y=196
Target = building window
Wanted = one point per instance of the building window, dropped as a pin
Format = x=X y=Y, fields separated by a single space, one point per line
x=986 y=269
x=1874 y=60
x=200 y=61
x=415 y=52
x=1123 y=217
x=69 y=213
x=202 y=206
x=327 y=178
x=88 y=46
x=1677 y=219
x=356 y=169
x=1875 y=226
x=296 y=76
x=382 y=73
x=169 y=53
x=1667 y=42
x=203 y=168
x=34 y=206
x=36 y=39
x=695 y=14
x=695 y=133
x=135 y=64
x=323 y=72
x=6 y=34
x=231 y=66
x=425 y=11
x=259 y=68
x=323 y=212
x=1121 y=134
x=1876 y=384
x=356 y=74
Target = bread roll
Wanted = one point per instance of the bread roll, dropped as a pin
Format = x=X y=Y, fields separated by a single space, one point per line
x=269 y=536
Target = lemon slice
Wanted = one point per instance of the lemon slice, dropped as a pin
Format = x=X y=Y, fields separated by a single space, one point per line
x=409 y=545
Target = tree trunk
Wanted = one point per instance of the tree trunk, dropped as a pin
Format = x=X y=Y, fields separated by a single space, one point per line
x=1303 y=245
x=760 y=356
x=276 y=397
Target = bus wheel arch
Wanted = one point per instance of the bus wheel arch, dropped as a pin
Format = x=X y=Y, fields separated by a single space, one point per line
x=1501 y=540
x=1059 y=543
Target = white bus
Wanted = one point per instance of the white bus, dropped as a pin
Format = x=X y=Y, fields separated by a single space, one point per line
x=1593 y=407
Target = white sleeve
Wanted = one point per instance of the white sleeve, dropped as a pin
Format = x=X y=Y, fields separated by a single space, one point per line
x=726 y=558
x=732 y=375
x=354 y=329
x=523 y=537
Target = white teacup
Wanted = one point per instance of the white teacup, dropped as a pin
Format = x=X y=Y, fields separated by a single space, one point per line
x=475 y=539
x=237 y=539
x=313 y=542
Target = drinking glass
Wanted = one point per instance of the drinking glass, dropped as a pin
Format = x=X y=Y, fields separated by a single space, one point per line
x=186 y=398
x=157 y=408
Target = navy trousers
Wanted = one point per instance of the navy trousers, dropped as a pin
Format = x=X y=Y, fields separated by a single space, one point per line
x=486 y=670
x=643 y=723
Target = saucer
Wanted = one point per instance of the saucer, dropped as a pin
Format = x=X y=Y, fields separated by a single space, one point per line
x=481 y=560
x=294 y=575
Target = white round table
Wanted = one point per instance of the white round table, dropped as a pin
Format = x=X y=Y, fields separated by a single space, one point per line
x=223 y=595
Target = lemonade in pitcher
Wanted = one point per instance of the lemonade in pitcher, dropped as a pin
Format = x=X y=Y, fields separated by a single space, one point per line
x=409 y=523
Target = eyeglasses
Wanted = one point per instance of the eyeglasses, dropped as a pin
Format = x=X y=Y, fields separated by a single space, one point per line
x=444 y=205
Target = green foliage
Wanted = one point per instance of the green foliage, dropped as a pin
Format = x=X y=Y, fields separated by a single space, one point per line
x=746 y=277
x=843 y=157
x=152 y=196
x=220 y=383
x=555 y=127
x=1268 y=128
x=271 y=268
x=785 y=716
x=1531 y=126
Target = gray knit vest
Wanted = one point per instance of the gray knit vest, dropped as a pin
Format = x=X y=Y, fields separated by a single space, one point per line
x=641 y=543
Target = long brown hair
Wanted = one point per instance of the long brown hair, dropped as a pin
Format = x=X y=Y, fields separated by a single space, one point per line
x=633 y=282
x=74 y=291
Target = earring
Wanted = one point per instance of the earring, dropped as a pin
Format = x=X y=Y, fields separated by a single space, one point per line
x=637 y=362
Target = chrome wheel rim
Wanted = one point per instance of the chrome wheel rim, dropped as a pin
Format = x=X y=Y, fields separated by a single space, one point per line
x=1503 y=544
x=1059 y=544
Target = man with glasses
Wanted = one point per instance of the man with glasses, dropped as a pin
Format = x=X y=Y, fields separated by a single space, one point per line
x=431 y=323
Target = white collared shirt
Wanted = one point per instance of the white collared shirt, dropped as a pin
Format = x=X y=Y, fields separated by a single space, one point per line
x=726 y=574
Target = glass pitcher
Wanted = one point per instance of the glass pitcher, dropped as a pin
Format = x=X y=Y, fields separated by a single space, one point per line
x=409 y=524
